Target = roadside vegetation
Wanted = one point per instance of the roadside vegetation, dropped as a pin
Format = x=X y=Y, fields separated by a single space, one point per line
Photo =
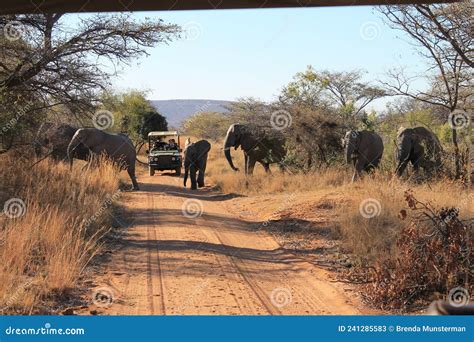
x=54 y=219
x=366 y=221
x=52 y=225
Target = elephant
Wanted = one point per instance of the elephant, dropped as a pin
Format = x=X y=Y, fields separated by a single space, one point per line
x=363 y=149
x=118 y=147
x=419 y=146
x=195 y=159
x=258 y=146
x=55 y=138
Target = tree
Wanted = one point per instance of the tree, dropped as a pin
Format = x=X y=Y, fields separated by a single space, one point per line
x=305 y=90
x=452 y=82
x=314 y=138
x=44 y=61
x=452 y=24
x=207 y=125
x=134 y=113
x=150 y=121
x=344 y=92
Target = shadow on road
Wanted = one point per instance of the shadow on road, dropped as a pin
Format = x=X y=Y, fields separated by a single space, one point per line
x=203 y=194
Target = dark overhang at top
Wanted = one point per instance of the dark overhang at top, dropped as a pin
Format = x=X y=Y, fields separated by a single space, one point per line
x=58 y=6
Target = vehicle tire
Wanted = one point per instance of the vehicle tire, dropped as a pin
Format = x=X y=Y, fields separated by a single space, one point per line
x=178 y=171
x=151 y=171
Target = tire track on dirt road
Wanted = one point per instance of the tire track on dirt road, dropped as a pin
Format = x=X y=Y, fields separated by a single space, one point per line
x=169 y=263
x=156 y=292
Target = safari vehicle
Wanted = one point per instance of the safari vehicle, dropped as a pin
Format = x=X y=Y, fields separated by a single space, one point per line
x=163 y=154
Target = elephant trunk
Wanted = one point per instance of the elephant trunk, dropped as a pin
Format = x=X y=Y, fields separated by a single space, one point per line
x=229 y=158
x=228 y=144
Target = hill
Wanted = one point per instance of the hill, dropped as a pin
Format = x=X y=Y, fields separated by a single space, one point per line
x=176 y=111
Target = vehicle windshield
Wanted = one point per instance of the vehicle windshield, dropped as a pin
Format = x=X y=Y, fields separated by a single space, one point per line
x=164 y=144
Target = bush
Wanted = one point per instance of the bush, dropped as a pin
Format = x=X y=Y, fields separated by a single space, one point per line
x=433 y=256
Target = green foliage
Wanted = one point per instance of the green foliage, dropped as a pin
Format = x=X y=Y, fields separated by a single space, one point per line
x=150 y=121
x=345 y=93
x=133 y=114
x=207 y=125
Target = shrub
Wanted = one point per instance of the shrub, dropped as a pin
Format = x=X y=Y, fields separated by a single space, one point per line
x=433 y=256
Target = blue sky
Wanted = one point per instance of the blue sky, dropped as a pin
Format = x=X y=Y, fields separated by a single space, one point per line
x=239 y=53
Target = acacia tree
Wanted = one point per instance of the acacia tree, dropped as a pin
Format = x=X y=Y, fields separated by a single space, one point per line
x=343 y=93
x=44 y=58
x=444 y=41
x=452 y=24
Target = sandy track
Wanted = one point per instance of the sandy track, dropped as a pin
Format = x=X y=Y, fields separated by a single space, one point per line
x=170 y=263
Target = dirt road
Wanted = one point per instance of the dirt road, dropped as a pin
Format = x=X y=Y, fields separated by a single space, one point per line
x=186 y=253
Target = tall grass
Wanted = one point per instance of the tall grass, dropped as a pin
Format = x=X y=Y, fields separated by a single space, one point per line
x=44 y=250
x=365 y=237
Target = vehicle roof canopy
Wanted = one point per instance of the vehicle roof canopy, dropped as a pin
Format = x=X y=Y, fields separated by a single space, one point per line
x=60 y=6
x=163 y=134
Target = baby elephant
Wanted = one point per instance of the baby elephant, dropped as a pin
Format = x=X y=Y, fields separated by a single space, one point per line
x=195 y=159
x=364 y=150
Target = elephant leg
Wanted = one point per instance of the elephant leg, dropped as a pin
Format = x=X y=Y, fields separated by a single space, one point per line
x=246 y=161
x=131 y=173
x=193 y=177
x=281 y=166
x=416 y=166
x=251 y=165
x=202 y=171
x=359 y=167
x=186 y=172
x=401 y=167
x=266 y=166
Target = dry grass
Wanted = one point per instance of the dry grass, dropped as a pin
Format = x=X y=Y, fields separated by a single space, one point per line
x=364 y=238
x=44 y=251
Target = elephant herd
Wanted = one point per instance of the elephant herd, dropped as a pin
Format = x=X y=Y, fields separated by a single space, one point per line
x=418 y=146
x=65 y=142
x=363 y=149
